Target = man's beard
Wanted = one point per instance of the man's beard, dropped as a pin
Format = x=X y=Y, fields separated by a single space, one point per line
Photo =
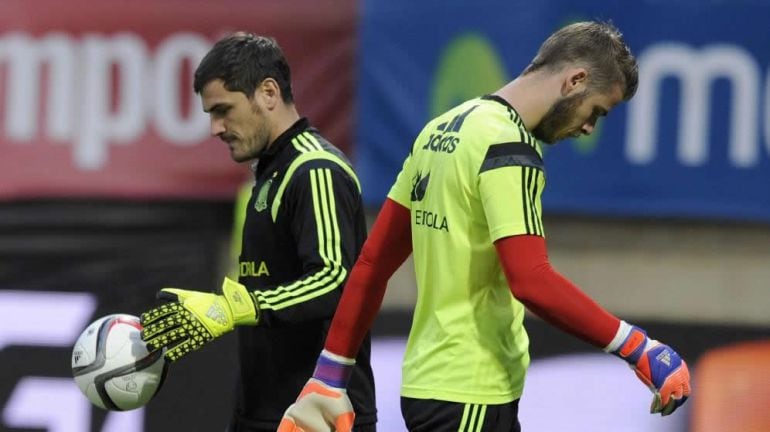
x=559 y=116
x=260 y=139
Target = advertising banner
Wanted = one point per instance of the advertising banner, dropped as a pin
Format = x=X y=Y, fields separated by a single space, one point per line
x=96 y=98
x=694 y=141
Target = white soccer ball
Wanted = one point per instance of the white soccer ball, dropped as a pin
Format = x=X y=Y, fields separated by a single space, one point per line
x=112 y=366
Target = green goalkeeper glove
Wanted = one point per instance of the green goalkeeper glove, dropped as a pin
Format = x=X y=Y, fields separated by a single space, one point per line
x=194 y=318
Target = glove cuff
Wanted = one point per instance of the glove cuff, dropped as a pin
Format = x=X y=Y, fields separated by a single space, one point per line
x=242 y=306
x=333 y=370
x=629 y=343
x=624 y=329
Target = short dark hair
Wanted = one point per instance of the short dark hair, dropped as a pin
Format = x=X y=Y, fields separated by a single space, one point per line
x=597 y=46
x=243 y=60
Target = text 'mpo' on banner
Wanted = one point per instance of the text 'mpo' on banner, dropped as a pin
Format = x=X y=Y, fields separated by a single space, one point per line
x=96 y=97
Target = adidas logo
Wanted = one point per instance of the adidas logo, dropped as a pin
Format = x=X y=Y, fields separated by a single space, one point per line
x=217 y=314
x=664 y=357
x=236 y=297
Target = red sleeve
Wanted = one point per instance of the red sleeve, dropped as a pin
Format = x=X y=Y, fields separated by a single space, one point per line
x=387 y=247
x=551 y=296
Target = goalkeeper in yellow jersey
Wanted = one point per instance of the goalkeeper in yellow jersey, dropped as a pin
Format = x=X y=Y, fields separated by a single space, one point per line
x=467 y=205
x=304 y=228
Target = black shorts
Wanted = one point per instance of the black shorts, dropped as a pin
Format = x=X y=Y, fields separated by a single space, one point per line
x=429 y=415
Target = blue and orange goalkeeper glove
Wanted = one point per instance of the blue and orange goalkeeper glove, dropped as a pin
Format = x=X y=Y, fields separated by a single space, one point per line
x=657 y=365
x=194 y=318
x=323 y=405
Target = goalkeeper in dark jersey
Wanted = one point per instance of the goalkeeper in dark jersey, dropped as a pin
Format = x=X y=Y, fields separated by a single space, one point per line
x=304 y=228
x=467 y=204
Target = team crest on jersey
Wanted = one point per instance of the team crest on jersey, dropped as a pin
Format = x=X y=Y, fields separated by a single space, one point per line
x=419 y=185
x=260 y=204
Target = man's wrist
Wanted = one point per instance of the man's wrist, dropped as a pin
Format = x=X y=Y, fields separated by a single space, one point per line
x=624 y=329
x=333 y=370
x=242 y=304
x=629 y=343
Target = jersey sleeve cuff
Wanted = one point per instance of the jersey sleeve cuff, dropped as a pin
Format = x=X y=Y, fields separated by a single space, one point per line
x=333 y=370
x=624 y=329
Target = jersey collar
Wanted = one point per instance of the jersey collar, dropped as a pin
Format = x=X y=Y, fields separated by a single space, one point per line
x=280 y=143
x=284 y=138
x=504 y=102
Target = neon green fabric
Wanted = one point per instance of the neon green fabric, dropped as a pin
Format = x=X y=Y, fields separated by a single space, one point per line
x=474 y=175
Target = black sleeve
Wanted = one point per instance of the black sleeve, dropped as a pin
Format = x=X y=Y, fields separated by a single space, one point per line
x=324 y=206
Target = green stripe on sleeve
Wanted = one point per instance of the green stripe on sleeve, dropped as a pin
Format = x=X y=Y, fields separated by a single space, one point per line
x=309 y=141
x=301 y=146
x=329 y=249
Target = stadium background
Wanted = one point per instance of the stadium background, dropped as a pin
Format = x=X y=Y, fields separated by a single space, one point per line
x=110 y=187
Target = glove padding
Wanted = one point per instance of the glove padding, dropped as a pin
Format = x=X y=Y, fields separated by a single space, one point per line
x=659 y=367
x=194 y=318
x=319 y=408
x=323 y=405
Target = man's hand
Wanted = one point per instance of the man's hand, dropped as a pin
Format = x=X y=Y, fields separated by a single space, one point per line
x=657 y=365
x=319 y=408
x=194 y=318
x=323 y=405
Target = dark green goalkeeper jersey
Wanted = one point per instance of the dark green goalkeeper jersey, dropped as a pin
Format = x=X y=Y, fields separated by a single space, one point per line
x=303 y=230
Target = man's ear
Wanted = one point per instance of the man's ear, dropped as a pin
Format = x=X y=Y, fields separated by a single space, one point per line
x=575 y=81
x=269 y=93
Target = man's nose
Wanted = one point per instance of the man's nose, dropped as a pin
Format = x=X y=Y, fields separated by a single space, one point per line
x=217 y=127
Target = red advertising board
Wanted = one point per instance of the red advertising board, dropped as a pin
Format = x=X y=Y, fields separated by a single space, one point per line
x=96 y=97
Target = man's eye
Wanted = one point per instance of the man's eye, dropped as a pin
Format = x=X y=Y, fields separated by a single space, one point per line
x=219 y=112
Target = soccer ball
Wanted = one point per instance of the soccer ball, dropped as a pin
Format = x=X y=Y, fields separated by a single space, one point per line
x=112 y=366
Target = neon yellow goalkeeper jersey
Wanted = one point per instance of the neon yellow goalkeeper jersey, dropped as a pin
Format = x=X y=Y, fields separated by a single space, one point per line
x=474 y=175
